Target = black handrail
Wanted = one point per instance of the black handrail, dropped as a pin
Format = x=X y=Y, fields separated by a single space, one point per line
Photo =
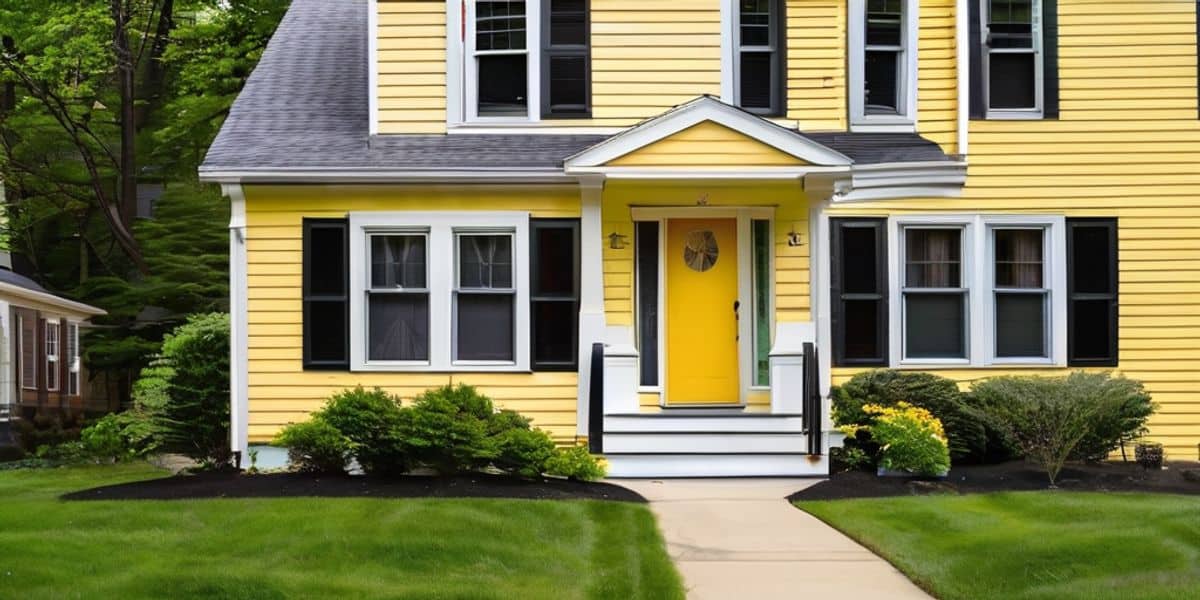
x=812 y=399
x=596 y=401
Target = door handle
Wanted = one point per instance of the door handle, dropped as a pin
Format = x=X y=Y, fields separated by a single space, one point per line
x=737 y=334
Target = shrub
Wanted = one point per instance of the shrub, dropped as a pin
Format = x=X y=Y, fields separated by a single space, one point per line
x=523 y=451
x=575 y=463
x=105 y=441
x=910 y=438
x=315 y=446
x=47 y=429
x=370 y=420
x=1122 y=409
x=966 y=435
x=1045 y=418
x=447 y=428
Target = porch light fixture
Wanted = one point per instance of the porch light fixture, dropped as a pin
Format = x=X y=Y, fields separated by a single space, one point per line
x=616 y=241
x=793 y=238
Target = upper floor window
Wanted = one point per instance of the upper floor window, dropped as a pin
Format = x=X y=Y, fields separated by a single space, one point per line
x=883 y=63
x=524 y=60
x=758 y=81
x=1013 y=47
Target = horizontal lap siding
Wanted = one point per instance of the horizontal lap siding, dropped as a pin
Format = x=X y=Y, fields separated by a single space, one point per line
x=816 y=63
x=281 y=391
x=412 y=66
x=1126 y=146
x=937 y=83
x=706 y=145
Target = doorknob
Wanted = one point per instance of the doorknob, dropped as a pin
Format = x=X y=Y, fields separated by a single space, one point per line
x=737 y=334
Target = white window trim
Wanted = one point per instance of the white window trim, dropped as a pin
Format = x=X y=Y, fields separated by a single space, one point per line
x=976 y=246
x=458 y=290
x=461 y=74
x=731 y=50
x=1039 y=95
x=74 y=363
x=441 y=258
x=52 y=383
x=906 y=121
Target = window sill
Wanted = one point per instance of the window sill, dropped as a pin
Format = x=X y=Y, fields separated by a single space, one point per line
x=883 y=125
x=1018 y=115
x=431 y=369
x=556 y=127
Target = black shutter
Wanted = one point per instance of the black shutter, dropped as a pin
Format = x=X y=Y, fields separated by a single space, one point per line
x=326 y=296
x=566 y=59
x=1050 y=59
x=859 y=291
x=1092 y=292
x=978 y=108
x=646 y=258
x=554 y=294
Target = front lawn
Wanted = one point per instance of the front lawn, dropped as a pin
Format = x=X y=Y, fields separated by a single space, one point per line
x=1052 y=545
x=318 y=547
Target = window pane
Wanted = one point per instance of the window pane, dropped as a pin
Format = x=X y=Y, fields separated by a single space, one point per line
x=883 y=23
x=1092 y=331
x=399 y=327
x=554 y=332
x=1019 y=258
x=554 y=248
x=568 y=23
x=485 y=261
x=881 y=79
x=398 y=261
x=502 y=85
x=933 y=258
x=646 y=254
x=1010 y=23
x=485 y=327
x=1091 y=250
x=568 y=84
x=500 y=25
x=756 y=80
x=934 y=326
x=755 y=19
x=327 y=331
x=859 y=271
x=1020 y=325
x=1011 y=81
x=762 y=302
x=862 y=329
x=327 y=261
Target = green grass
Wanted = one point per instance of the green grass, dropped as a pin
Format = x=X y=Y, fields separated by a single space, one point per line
x=318 y=547
x=1052 y=545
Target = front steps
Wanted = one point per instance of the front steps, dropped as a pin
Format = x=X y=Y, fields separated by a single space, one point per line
x=708 y=443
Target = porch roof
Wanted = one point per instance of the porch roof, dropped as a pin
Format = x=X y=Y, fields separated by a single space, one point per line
x=304 y=113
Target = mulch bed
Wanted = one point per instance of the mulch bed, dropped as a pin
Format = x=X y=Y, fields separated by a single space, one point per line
x=294 y=485
x=1178 y=478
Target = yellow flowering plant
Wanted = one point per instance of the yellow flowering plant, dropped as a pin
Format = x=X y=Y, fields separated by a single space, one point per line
x=910 y=438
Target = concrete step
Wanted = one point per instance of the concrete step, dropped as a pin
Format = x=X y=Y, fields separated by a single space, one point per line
x=716 y=465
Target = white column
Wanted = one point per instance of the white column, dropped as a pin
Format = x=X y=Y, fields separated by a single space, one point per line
x=8 y=383
x=591 y=288
x=238 y=339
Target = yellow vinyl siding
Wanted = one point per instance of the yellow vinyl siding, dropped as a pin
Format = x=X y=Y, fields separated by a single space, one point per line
x=816 y=64
x=937 y=83
x=412 y=66
x=1126 y=146
x=707 y=144
x=281 y=391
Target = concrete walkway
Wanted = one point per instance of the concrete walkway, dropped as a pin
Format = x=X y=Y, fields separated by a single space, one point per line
x=739 y=538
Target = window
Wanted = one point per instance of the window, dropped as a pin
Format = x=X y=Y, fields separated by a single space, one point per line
x=883 y=64
x=554 y=297
x=326 y=297
x=761 y=261
x=73 y=363
x=27 y=340
x=1014 y=59
x=758 y=81
x=566 y=59
x=859 y=291
x=501 y=58
x=646 y=242
x=935 y=296
x=441 y=291
x=1092 y=285
x=53 y=359
x=1021 y=294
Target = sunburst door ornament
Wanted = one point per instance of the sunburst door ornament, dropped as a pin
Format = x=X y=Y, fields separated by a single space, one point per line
x=700 y=252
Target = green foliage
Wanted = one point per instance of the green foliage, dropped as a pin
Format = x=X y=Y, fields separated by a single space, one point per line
x=446 y=429
x=104 y=440
x=852 y=457
x=1047 y=418
x=577 y=463
x=47 y=429
x=523 y=451
x=315 y=446
x=968 y=437
x=910 y=439
x=1122 y=410
x=370 y=419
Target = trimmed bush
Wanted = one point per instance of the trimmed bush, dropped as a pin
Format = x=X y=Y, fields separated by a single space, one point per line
x=371 y=421
x=105 y=441
x=575 y=463
x=967 y=436
x=447 y=430
x=315 y=446
x=523 y=452
x=1122 y=409
x=910 y=438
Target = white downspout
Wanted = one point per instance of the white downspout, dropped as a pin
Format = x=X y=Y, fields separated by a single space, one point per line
x=238 y=339
x=963 y=71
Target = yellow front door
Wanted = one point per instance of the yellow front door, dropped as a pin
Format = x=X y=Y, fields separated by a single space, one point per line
x=701 y=298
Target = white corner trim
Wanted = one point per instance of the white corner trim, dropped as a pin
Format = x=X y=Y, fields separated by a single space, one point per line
x=906 y=121
x=728 y=48
x=239 y=340
x=373 y=65
x=962 y=23
x=706 y=108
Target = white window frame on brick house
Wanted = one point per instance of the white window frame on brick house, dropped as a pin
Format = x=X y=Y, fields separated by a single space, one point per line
x=52 y=352
x=906 y=118
x=73 y=360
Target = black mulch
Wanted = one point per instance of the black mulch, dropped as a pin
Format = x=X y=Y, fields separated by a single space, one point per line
x=293 y=485
x=1177 y=478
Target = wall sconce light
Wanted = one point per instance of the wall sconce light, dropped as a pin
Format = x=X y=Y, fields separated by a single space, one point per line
x=616 y=241
x=793 y=238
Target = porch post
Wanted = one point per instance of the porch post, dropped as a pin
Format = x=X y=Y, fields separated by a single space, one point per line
x=591 y=288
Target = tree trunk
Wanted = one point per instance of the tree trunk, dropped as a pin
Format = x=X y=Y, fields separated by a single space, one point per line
x=127 y=194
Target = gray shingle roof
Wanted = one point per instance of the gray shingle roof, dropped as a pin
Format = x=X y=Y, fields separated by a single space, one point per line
x=19 y=280
x=306 y=108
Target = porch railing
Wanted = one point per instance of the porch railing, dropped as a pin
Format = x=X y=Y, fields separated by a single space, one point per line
x=596 y=401
x=811 y=407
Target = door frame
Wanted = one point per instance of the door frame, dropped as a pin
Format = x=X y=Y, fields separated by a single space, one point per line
x=745 y=259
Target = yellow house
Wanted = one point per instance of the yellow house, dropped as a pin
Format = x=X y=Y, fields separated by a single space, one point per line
x=669 y=227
